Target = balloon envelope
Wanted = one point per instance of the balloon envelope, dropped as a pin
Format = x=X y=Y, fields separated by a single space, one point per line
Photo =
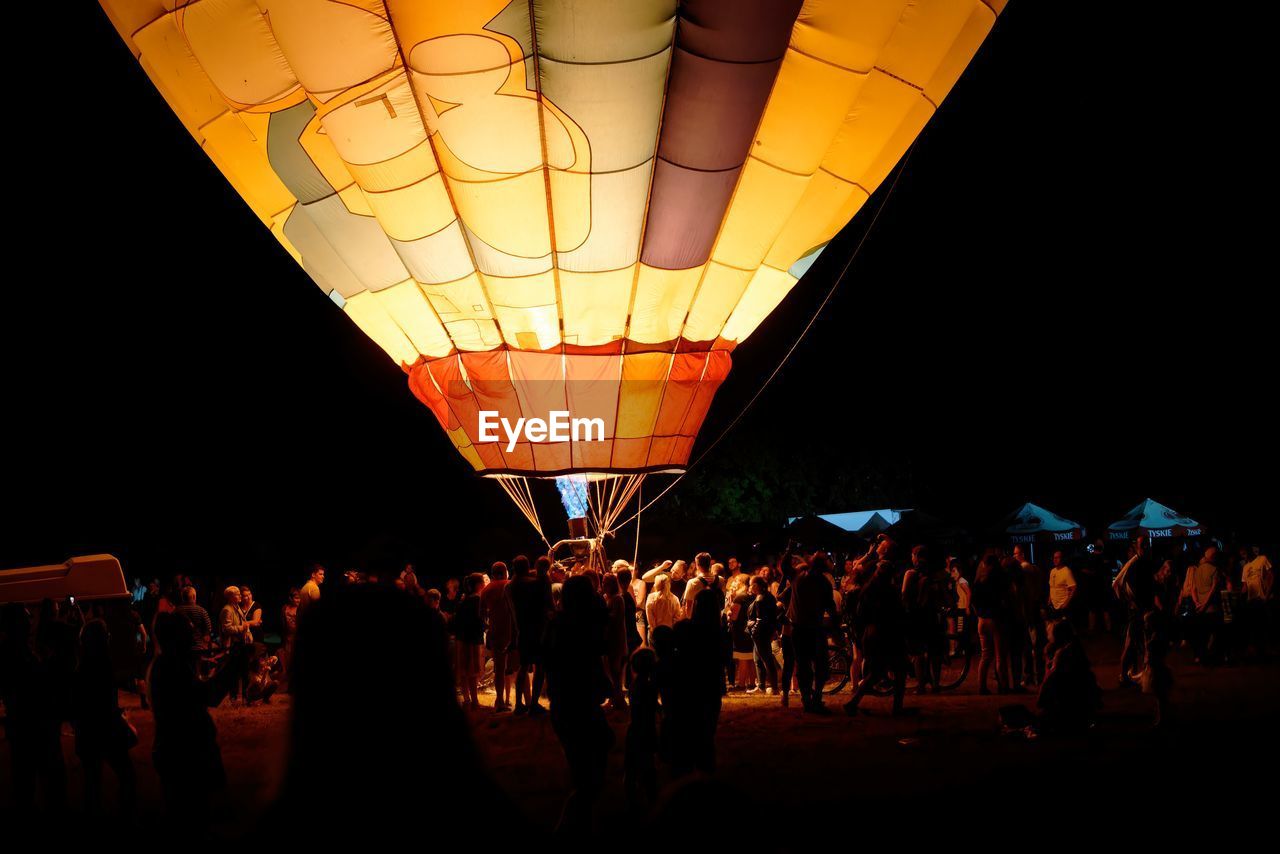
x=556 y=205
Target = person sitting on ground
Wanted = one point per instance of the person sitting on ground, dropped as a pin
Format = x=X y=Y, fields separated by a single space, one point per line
x=262 y=682
x=1069 y=696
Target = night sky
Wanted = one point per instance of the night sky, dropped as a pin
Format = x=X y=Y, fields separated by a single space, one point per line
x=1039 y=314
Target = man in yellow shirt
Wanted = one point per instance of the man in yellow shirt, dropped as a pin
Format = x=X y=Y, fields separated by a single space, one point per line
x=1062 y=585
x=1257 y=577
x=310 y=592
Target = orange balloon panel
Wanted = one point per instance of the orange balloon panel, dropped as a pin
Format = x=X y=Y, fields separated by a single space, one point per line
x=541 y=206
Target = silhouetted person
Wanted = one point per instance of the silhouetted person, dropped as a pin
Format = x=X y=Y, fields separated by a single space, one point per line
x=1134 y=586
x=102 y=734
x=664 y=676
x=198 y=617
x=639 y=768
x=530 y=592
x=698 y=676
x=377 y=734
x=883 y=642
x=500 y=628
x=1069 y=695
x=1015 y=628
x=468 y=634
x=289 y=629
x=988 y=599
x=812 y=600
x=577 y=685
x=762 y=624
x=32 y=719
x=786 y=638
x=185 y=752
x=1031 y=589
x=615 y=639
x=236 y=636
x=631 y=606
x=1157 y=677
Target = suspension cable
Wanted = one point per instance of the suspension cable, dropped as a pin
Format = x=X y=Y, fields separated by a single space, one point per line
x=518 y=490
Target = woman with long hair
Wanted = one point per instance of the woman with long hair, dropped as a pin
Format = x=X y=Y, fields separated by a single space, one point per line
x=468 y=633
x=988 y=597
x=662 y=607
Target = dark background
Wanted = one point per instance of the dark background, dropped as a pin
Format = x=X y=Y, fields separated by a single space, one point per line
x=1056 y=305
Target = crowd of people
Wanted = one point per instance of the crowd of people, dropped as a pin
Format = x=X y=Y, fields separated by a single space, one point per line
x=672 y=641
x=662 y=646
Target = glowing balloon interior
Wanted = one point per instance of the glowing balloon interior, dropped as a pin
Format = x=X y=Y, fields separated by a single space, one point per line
x=554 y=204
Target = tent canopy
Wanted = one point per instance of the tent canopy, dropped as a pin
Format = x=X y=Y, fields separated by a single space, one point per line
x=814 y=530
x=1155 y=520
x=1032 y=523
x=916 y=526
x=857 y=521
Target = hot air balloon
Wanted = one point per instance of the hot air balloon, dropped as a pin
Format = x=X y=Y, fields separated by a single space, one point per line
x=557 y=206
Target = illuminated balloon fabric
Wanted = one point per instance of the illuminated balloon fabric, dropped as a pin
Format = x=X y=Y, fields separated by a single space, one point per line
x=577 y=205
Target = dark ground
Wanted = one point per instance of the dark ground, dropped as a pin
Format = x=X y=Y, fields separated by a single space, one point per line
x=946 y=775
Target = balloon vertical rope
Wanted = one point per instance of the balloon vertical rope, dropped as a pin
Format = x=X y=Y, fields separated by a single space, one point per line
x=635 y=557
x=521 y=494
